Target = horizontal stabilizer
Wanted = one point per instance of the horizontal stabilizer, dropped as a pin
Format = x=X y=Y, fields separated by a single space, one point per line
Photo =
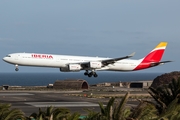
x=159 y=63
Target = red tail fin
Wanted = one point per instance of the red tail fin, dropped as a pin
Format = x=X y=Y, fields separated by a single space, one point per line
x=153 y=58
x=156 y=54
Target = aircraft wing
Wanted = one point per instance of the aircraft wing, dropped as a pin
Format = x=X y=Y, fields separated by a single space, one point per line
x=113 y=60
x=106 y=61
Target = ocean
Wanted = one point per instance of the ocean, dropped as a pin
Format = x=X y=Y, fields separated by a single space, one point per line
x=43 y=79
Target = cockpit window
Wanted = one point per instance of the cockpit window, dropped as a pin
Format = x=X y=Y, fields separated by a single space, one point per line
x=8 y=56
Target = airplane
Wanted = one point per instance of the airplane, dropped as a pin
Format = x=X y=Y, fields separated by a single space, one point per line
x=67 y=63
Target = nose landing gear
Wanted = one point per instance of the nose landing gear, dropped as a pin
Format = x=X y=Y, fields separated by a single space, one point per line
x=16 y=69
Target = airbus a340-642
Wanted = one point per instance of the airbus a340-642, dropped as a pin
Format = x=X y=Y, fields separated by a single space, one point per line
x=68 y=63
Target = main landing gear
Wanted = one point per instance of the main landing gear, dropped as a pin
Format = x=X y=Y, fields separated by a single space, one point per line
x=92 y=73
x=16 y=69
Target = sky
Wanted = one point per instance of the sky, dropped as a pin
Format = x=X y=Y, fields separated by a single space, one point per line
x=101 y=28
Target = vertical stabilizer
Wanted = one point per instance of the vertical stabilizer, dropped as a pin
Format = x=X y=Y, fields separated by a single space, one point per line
x=156 y=54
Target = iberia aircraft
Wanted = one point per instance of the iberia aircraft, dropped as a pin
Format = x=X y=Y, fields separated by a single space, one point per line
x=90 y=64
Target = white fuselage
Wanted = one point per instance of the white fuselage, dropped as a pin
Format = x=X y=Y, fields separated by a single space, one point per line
x=61 y=61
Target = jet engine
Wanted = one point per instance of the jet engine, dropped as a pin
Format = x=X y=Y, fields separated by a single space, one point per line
x=74 y=67
x=95 y=65
x=71 y=68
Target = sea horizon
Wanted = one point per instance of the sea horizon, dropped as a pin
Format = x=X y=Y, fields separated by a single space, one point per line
x=43 y=79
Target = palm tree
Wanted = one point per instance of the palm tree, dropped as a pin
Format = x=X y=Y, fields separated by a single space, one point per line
x=165 y=94
x=167 y=99
x=38 y=116
x=121 y=112
x=55 y=114
x=111 y=111
x=107 y=111
x=61 y=114
x=167 y=104
x=51 y=113
x=92 y=115
x=74 y=116
x=6 y=113
x=144 y=111
x=172 y=112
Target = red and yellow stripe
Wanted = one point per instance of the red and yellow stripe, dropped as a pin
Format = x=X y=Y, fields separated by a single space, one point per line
x=154 y=56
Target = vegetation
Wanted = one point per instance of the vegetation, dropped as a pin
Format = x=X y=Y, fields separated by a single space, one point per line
x=166 y=106
x=10 y=114
x=112 y=111
x=167 y=99
x=52 y=113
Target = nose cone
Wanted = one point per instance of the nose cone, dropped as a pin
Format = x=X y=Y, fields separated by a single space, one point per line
x=5 y=59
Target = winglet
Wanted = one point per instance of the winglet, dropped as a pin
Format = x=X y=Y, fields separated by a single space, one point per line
x=132 y=54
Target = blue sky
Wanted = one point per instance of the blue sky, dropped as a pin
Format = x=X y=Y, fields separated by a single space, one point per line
x=92 y=28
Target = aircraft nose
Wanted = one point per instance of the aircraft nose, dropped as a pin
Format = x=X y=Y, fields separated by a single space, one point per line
x=4 y=58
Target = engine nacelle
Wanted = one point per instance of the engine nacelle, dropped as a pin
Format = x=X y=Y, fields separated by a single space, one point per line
x=71 y=68
x=74 y=67
x=95 y=65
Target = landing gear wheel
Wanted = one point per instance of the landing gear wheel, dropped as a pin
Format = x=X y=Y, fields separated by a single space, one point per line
x=86 y=73
x=95 y=75
x=16 y=69
x=90 y=74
